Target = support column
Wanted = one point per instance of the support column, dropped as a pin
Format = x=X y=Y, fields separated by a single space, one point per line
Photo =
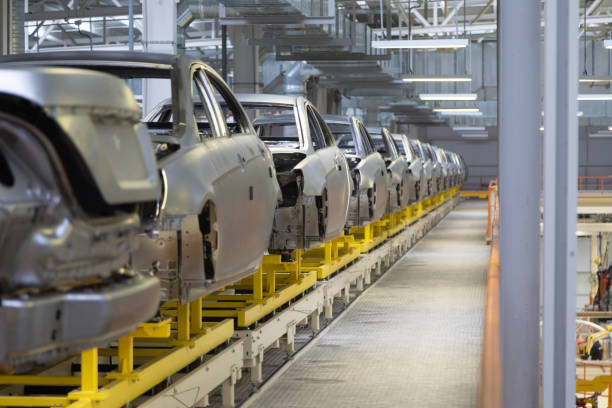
x=246 y=59
x=17 y=43
x=519 y=116
x=560 y=196
x=159 y=36
x=4 y=27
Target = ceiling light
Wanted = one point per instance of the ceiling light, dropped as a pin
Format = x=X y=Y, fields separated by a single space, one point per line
x=363 y=4
x=449 y=97
x=468 y=128
x=579 y=114
x=448 y=78
x=458 y=111
x=610 y=128
x=607 y=44
x=541 y=128
x=442 y=43
x=595 y=97
x=595 y=79
x=602 y=135
x=475 y=135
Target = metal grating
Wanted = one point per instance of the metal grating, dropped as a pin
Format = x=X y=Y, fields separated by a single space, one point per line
x=412 y=340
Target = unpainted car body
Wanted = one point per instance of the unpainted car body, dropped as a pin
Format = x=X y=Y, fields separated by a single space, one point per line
x=428 y=167
x=418 y=183
x=312 y=172
x=75 y=165
x=445 y=166
x=368 y=170
x=437 y=174
x=213 y=224
x=399 y=178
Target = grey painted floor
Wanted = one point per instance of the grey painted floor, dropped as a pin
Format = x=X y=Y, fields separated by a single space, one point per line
x=412 y=340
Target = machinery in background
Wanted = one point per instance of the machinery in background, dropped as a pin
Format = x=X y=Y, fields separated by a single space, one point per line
x=75 y=168
x=212 y=226
x=601 y=301
x=368 y=170
x=397 y=170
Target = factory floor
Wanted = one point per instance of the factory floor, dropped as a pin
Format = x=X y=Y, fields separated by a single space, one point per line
x=413 y=339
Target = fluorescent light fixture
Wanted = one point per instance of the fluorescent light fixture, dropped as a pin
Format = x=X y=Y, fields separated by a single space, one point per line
x=610 y=128
x=595 y=97
x=580 y=114
x=469 y=128
x=445 y=78
x=595 y=79
x=541 y=128
x=607 y=44
x=442 y=43
x=475 y=135
x=363 y=4
x=458 y=111
x=449 y=97
x=606 y=135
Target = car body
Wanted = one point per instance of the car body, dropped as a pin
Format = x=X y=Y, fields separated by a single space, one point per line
x=214 y=222
x=312 y=171
x=399 y=178
x=455 y=168
x=437 y=174
x=462 y=168
x=76 y=164
x=415 y=166
x=428 y=167
x=368 y=170
x=446 y=167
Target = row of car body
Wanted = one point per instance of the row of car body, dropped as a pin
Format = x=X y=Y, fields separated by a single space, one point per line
x=103 y=214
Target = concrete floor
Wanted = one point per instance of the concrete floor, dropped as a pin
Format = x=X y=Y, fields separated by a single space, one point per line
x=411 y=340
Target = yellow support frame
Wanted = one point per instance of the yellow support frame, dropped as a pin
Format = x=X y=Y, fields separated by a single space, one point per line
x=184 y=336
x=330 y=257
x=189 y=341
x=282 y=281
x=481 y=194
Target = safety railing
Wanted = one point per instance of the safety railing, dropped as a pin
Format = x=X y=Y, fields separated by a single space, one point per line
x=491 y=373
x=595 y=184
x=491 y=207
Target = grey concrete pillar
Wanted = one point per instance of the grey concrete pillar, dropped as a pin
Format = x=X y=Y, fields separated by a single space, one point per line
x=16 y=35
x=159 y=36
x=520 y=149
x=4 y=27
x=560 y=199
x=246 y=59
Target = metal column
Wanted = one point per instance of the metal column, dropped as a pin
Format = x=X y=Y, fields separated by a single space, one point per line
x=159 y=36
x=560 y=191
x=4 y=27
x=246 y=59
x=519 y=115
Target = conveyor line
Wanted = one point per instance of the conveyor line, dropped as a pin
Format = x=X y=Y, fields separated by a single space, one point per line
x=414 y=339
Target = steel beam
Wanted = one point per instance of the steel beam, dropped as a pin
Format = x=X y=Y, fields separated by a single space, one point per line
x=560 y=201
x=274 y=20
x=81 y=13
x=519 y=117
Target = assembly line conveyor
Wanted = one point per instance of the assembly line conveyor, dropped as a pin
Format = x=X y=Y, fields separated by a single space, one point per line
x=191 y=350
